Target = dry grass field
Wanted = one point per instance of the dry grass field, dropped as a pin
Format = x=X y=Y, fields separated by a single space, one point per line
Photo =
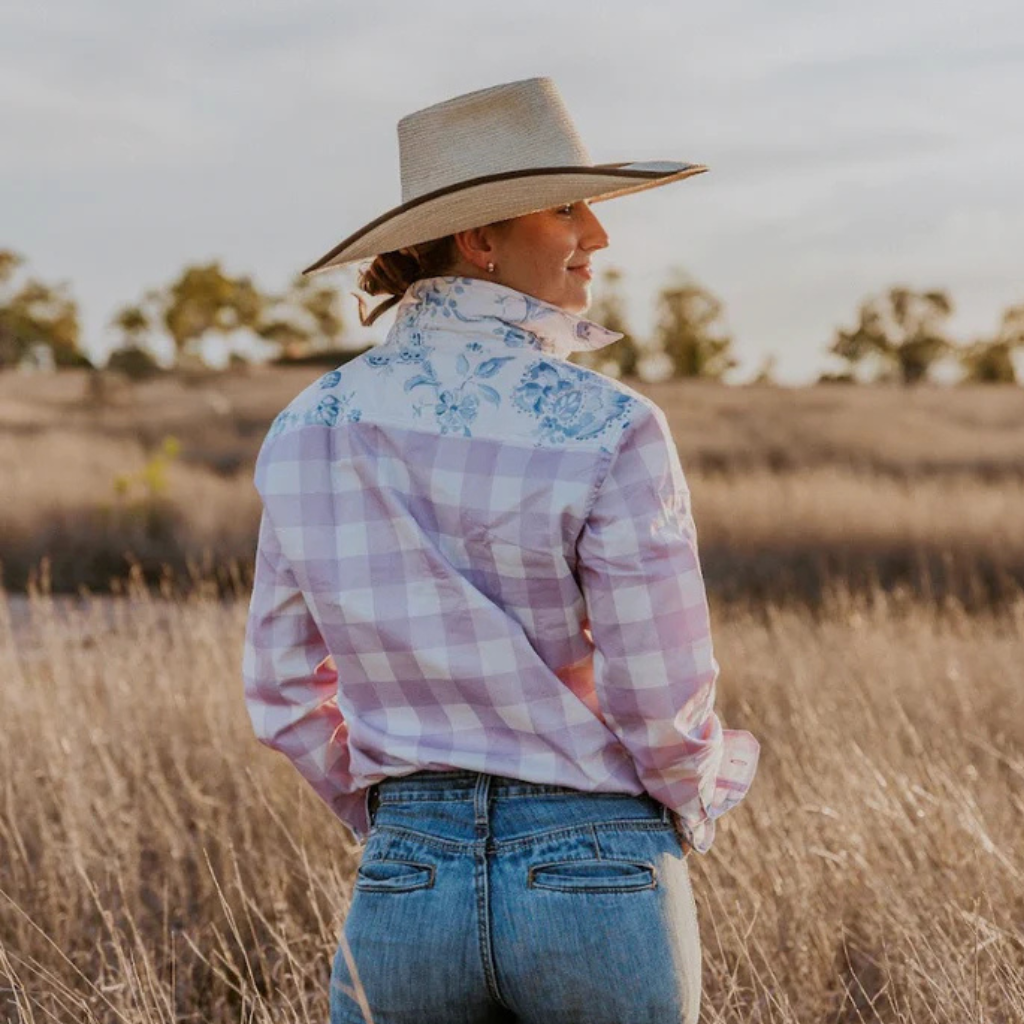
x=794 y=490
x=156 y=864
x=865 y=557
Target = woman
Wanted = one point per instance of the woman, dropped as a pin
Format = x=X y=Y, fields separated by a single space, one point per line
x=478 y=624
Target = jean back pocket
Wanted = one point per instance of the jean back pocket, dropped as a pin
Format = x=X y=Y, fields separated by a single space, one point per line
x=592 y=875
x=393 y=876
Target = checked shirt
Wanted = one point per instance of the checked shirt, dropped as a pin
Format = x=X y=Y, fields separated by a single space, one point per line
x=477 y=554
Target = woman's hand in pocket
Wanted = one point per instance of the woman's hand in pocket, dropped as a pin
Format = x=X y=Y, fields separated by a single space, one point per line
x=683 y=842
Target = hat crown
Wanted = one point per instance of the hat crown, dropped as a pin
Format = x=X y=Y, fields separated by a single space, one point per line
x=506 y=128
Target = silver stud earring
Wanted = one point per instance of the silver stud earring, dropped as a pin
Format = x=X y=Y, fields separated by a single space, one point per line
x=490 y=268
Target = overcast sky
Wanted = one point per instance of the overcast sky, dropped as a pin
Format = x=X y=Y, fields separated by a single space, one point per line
x=850 y=148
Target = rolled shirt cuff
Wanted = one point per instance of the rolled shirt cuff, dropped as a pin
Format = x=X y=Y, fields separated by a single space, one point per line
x=736 y=770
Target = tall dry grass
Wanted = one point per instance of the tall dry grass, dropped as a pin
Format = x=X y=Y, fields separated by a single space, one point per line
x=157 y=864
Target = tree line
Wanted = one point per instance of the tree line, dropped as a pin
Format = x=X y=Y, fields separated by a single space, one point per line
x=897 y=335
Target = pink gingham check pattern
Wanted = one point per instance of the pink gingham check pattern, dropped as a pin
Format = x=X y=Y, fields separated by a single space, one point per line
x=476 y=554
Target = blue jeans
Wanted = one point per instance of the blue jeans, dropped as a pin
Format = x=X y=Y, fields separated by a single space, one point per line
x=482 y=899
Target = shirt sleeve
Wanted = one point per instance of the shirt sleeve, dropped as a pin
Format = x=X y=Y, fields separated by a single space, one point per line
x=654 y=667
x=291 y=685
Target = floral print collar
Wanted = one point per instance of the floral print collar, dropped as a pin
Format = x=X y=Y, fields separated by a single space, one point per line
x=471 y=304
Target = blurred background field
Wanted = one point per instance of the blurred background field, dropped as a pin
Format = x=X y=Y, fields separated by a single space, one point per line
x=794 y=489
x=865 y=562
x=157 y=865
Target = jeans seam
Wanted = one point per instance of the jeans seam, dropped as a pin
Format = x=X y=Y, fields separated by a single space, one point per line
x=481 y=868
x=451 y=845
x=625 y=825
x=503 y=845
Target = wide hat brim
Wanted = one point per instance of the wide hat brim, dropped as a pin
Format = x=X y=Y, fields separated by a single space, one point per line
x=497 y=197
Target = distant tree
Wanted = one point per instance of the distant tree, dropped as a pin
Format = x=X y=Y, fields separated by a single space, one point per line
x=204 y=299
x=36 y=314
x=303 y=320
x=990 y=360
x=688 y=330
x=133 y=356
x=987 y=362
x=134 y=361
x=133 y=324
x=902 y=331
x=609 y=310
x=766 y=371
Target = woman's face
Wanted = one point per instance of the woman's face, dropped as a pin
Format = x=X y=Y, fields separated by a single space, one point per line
x=544 y=254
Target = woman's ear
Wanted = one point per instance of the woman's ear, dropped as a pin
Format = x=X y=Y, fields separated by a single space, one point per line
x=475 y=246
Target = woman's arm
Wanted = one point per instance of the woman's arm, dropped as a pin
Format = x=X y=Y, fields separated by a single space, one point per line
x=654 y=668
x=291 y=684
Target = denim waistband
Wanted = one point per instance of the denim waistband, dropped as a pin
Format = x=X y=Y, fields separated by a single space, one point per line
x=459 y=779
x=467 y=785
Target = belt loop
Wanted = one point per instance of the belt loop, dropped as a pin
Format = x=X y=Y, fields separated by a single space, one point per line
x=481 y=799
x=372 y=802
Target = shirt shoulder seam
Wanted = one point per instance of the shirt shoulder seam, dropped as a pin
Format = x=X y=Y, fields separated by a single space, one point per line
x=520 y=442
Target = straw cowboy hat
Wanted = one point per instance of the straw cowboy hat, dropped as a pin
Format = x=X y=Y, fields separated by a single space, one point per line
x=487 y=156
